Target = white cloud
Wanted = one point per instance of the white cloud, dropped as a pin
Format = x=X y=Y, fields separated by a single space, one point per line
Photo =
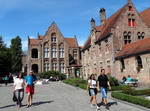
x=81 y=42
x=32 y=37
x=25 y=45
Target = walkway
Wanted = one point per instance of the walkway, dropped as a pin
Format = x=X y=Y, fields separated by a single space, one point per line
x=57 y=96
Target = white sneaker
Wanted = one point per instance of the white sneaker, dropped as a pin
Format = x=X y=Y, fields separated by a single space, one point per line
x=92 y=105
x=98 y=108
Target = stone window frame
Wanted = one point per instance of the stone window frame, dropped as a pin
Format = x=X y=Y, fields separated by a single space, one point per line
x=61 y=50
x=35 y=50
x=127 y=37
x=107 y=48
x=54 y=65
x=139 y=62
x=46 y=66
x=122 y=64
x=61 y=67
x=53 y=37
x=140 y=35
x=131 y=20
x=46 y=52
x=54 y=52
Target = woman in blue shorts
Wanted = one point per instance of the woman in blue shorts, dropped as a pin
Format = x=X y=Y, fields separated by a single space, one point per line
x=92 y=90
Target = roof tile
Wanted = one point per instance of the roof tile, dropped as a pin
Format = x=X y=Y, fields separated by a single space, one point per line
x=146 y=16
x=137 y=47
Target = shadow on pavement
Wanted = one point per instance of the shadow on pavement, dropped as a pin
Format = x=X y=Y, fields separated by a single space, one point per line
x=7 y=106
x=109 y=104
x=42 y=102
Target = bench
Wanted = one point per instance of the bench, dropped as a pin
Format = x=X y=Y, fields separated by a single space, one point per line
x=134 y=82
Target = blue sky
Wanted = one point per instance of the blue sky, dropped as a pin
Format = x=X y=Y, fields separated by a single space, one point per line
x=28 y=17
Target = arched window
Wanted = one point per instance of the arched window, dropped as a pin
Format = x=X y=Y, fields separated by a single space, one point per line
x=139 y=62
x=34 y=53
x=53 y=38
x=140 y=35
x=122 y=64
x=127 y=37
x=35 y=68
x=131 y=20
x=143 y=34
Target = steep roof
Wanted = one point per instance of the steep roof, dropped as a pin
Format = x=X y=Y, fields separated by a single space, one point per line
x=34 y=41
x=146 y=16
x=98 y=28
x=105 y=29
x=41 y=37
x=140 y=46
x=87 y=43
x=72 y=42
x=109 y=23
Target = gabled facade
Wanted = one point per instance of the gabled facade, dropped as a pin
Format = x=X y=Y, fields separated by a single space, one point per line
x=54 y=52
x=106 y=41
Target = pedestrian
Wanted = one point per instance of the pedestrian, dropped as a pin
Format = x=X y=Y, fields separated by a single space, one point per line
x=6 y=80
x=128 y=81
x=30 y=80
x=92 y=90
x=103 y=83
x=19 y=89
x=124 y=80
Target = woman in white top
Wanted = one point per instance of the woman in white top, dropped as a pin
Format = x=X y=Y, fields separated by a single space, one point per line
x=92 y=89
x=19 y=89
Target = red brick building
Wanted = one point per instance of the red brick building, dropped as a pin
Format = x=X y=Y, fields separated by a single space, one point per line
x=54 y=52
x=121 y=44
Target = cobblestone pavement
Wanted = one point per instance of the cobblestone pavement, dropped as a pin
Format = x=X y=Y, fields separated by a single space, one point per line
x=57 y=96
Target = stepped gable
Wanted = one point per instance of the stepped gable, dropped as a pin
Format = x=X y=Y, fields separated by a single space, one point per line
x=138 y=47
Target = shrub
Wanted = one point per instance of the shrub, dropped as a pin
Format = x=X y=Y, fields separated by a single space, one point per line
x=120 y=87
x=132 y=99
x=131 y=91
x=48 y=74
x=113 y=81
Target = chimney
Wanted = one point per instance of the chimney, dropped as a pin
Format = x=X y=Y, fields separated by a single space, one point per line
x=129 y=1
x=102 y=16
x=92 y=22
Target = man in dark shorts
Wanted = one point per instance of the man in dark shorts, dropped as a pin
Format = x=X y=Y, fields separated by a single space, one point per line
x=103 y=83
x=30 y=80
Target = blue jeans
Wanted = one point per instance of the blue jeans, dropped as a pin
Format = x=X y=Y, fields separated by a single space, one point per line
x=104 y=92
x=19 y=95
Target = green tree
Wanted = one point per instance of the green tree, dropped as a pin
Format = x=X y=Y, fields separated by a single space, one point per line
x=16 y=51
x=5 y=58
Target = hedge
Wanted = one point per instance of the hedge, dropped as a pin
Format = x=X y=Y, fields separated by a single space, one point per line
x=83 y=84
x=133 y=92
x=132 y=99
x=48 y=74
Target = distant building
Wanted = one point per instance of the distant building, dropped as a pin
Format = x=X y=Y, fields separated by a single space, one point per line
x=54 y=52
x=120 y=45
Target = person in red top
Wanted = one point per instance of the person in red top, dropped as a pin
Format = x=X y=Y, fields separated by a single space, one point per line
x=30 y=80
